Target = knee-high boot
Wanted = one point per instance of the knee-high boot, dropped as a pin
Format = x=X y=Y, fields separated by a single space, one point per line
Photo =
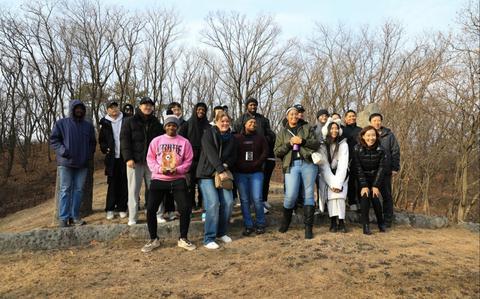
x=287 y=218
x=308 y=214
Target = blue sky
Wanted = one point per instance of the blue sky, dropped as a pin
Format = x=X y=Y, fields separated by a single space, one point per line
x=297 y=18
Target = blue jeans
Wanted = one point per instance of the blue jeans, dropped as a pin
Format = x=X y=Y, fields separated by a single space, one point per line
x=250 y=187
x=301 y=174
x=71 y=191
x=218 y=205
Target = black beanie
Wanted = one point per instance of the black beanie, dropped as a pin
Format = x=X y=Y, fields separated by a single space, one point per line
x=201 y=104
x=322 y=112
x=251 y=100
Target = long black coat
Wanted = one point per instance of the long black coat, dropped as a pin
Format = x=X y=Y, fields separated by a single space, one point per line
x=136 y=134
x=107 y=145
x=369 y=165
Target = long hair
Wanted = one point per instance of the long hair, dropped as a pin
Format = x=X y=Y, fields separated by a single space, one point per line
x=362 y=133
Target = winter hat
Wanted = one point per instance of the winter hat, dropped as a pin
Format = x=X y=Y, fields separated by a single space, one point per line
x=322 y=112
x=171 y=118
x=147 y=100
x=251 y=100
x=327 y=125
x=246 y=119
x=299 y=108
x=290 y=109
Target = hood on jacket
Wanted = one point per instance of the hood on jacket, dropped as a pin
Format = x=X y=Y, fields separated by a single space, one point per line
x=73 y=104
x=385 y=131
x=119 y=118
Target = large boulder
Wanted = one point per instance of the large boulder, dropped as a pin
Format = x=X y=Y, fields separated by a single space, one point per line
x=362 y=116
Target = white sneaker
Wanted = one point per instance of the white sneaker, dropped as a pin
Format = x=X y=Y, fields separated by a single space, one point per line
x=172 y=216
x=265 y=210
x=238 y=204
x=132 y=222
x=151 y=245
x=211 y=245
x=267 y=205
x=186 y=244
x=204 y=216
x=226 y=239
x=160 y=220
x=123 y=215
x=110 y=215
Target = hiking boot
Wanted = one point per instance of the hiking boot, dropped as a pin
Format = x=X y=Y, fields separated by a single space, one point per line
x=247 y=231
x=78 y=222
x=63 y=223
x=151 y=245
x=186 y=244
x=382 y=229
x=341 y=226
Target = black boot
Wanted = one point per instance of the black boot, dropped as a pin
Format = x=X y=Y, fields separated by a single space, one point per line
x=287 y=218
x=308 y=212
x=382 y=228
x=341 y=226
x=333 y=224
x=366 y=229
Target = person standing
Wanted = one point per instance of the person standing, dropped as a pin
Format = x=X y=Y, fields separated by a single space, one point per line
x=169 y=159
x=252 y=151
x=193 y=130
x=127 y=110
x=262 y=129
x=351 y=131
x=109 y=140
x=392 y=164
x=369 y=159
x=334 y=171
x=176 y=108
x=294 y=145
x=73 y=140
x=136 y=134
x=218 y=155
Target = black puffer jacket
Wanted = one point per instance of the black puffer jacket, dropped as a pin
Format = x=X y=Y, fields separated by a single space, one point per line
x=392 y=149
x=352 y=133
x=369 y=165
x=210 y=158
x=137 y=133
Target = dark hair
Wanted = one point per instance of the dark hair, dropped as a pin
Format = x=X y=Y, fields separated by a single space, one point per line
x=335 y=113
x=329 y=139
x=218 y=108
x=174 y=104
x=362 y=133
x=375 y=115
x=350 y=111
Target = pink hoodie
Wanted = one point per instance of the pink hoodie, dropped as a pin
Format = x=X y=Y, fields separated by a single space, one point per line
x=168 y=152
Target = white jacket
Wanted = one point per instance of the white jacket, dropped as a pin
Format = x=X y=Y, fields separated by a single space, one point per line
x=338 y=180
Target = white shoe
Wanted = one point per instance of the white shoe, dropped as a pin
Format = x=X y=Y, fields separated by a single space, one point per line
x=123 y=215
x=160 y=220
x=172 y=216
x=204 y=216
x=267 y=205
x=211 y=245
x=186 y=244
x=238 y=204
x=225 y=239
x=132 y=222
x=110 y=215
x=151 y=245
x=265 y=210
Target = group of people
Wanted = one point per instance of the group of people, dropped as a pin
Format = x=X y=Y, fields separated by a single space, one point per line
x=194 y=164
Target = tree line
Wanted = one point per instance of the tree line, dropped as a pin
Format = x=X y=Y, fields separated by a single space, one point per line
x=427 y=87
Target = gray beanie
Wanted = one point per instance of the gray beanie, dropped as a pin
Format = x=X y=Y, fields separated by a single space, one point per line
x=171 y=118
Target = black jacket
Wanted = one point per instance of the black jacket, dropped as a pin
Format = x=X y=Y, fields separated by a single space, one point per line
x=107 y=145
x=392 y=149
x=263 y=128
x=369 y=165
x=352 y=133
x=210 y=158
x=136 y=134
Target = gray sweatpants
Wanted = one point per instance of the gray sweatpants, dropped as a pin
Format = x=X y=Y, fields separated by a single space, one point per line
x=134 y=178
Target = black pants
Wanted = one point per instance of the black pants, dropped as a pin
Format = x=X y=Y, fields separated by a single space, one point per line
x=352 y=192
x=117 y=192
x=158 y=192
x=192 y=185
x=267 y=175
x=386 y=190
x=169 y=203
x=365 y=206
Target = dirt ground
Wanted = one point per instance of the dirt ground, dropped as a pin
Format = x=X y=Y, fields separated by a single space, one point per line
x=404 y=263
